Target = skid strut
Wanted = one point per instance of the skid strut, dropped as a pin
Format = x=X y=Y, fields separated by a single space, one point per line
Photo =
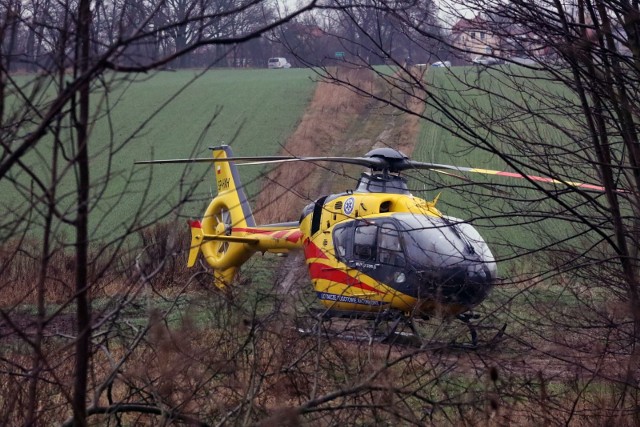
x=396 y=318
x=466 y=318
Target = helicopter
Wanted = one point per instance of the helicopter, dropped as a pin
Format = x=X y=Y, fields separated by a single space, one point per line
x=373 y=250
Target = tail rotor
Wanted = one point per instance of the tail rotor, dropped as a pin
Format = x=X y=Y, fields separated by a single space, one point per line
x=223 y=224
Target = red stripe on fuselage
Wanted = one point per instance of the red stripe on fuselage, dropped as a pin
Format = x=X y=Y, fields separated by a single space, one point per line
x=280 y=234
x=311 y=250
x=321 y=271
x=295 y=236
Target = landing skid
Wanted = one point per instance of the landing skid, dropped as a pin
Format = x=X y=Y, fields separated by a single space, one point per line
x=322 y=325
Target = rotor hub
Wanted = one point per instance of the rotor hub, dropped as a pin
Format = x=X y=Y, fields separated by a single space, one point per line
x=387 y=153
x=394 y=160
x=221 y=229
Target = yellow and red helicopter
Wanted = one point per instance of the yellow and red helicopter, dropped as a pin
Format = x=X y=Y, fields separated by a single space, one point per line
x=374 y=249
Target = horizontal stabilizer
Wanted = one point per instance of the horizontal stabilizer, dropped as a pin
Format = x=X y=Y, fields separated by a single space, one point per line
x=196 y=241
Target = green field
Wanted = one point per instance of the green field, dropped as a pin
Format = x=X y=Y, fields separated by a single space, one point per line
x=471 y=114
x=173 y=115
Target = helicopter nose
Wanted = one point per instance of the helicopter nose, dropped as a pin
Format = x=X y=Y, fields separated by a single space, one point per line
x=467 y=284
x=473 y=284
x=479 y=272
x=476 y=285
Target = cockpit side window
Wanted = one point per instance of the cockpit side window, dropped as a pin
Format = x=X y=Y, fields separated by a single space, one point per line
x=341 y=241
x=389 y=246
x=364 y=244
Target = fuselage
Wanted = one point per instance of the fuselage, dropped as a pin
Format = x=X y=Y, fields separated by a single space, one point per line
x=369 y=251
x=375 y=248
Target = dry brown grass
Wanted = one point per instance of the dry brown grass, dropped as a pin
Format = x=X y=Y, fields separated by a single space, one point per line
x=321 y=131
x=404 y=135
x=20 y=266
x=161 y=256
x=265 y=372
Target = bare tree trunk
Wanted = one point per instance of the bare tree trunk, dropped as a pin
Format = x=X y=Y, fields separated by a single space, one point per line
x=9 y=32
x=83 y=315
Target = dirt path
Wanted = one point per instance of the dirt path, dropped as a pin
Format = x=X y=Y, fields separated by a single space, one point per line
x=338 y=122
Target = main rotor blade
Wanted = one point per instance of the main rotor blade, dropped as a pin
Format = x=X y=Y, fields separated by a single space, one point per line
x=212 y=160
x=435 y=166
x=360 y=161
x=376 y=163
x=372 y=162
x=465 y=179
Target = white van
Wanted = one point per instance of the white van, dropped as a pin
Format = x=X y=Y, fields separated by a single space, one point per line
x=278 y=62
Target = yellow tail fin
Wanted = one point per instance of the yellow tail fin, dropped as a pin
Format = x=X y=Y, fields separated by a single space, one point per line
x=230 y=189
x=227 y=213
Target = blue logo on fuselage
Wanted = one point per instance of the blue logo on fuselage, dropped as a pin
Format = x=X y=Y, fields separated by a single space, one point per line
x=348 y=206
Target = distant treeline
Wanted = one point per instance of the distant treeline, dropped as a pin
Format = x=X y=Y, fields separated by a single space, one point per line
x=146 y=31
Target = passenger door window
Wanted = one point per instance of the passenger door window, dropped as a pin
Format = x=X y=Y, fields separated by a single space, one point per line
x=364 y=244
x=389 y=246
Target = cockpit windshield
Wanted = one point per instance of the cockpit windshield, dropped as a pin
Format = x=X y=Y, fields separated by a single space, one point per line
x=443 y=242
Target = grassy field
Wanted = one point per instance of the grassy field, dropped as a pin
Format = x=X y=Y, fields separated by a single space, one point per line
x=176 y=115
x=514 y=217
